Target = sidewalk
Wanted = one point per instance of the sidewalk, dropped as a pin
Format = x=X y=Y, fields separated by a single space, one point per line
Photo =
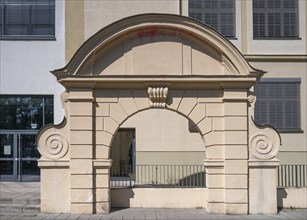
x=17 y=192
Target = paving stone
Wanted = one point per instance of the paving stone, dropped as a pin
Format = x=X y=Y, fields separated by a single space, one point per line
x=96 y=217
x=117 y=217
x=106 y=217
x=63 y=216
x=73 y=216
x=51 y=216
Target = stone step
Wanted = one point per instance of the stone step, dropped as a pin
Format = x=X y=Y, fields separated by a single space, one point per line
x=20 y=200
x=31 y=208
x=19 y=208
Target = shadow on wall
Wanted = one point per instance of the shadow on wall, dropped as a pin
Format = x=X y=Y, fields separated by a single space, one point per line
x=194 y=180
x=124 y=195
x=281 y=195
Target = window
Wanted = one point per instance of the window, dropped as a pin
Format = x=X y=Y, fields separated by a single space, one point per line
x=219 y=14
x=275 y=18
x=27 y=19
x=25 y=112
x=278 y=103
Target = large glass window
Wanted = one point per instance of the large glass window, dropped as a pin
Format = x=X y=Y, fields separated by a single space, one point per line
x=278 y=103
x=27 y=18
x=219 y=14
x=25 y=112
x=275 y=18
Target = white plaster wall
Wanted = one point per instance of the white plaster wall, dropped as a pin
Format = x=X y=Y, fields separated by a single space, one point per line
x=278 y=46
x=191 y=198
x=159 y=198
x=99 y=14
x=166 y=131
x=292 y=198
x=25 y=65
x=166 y=137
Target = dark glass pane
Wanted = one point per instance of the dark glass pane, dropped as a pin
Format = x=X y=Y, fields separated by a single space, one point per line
x=29 y=168
x=42 y=19
x=219 y=14
x=198 y=4
x=258 y=4
x=278 y=104
x=24 y=112
x=28 y=146
x=259 y=24
x=274 y=3
x=1 y=8
x=16 y=19
x=49 y=110
x=29 y=1
x=290 y=3
x=192 y=4
x=209 y=4
x=6 y=146
x=29 y=17
x=227 y=3
x=280 y=18
x=227 y=22
x=290 y=22
x=198 y=16
x=6 y=167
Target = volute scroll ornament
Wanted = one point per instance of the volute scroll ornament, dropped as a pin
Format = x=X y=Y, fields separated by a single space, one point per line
x=264 y=141
x=52 y=143
x=157 y=97
x=263 y=147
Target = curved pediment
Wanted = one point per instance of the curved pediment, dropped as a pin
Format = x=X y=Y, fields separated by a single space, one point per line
x=157 y=44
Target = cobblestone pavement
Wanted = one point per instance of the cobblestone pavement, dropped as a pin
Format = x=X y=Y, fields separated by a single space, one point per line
x=145 y=213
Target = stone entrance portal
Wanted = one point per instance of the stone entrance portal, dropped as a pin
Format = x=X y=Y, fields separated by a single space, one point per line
x=172 y=63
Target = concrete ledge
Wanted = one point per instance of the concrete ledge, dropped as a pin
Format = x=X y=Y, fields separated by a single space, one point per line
x=56 y=164
x=158 y=197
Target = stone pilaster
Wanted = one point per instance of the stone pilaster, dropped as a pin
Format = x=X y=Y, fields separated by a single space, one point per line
x=215 y=185
x=81 y=151
x=102 y=198
x=235 y=151
x=263 y=186
x=264 y=143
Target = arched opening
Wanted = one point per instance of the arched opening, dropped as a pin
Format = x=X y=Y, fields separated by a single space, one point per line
x=172 y=63
x=154 y=150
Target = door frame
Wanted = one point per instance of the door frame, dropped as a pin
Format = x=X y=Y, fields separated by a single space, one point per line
x=17 y=155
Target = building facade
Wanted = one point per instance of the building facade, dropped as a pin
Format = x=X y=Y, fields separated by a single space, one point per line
x=271 y=35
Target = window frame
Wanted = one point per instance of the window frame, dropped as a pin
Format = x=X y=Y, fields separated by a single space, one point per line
x=282 y=10
x=24 y=36
x=219 y=11
x=284 y=81
x=44 y=109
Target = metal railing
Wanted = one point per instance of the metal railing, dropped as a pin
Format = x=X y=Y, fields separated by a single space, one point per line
x=185 y=176
x=190 y=176
x=292 y=176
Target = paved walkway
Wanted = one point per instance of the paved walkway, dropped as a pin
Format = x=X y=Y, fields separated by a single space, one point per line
x=15 y=191
x=30 y=191
x=144 y=213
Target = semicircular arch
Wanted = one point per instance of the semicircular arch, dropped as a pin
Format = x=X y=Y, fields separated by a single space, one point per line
x=138 y=44
x=130 y=103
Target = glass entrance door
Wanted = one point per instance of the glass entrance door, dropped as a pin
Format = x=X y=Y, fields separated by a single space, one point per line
x=8 y=154
x=18 y=156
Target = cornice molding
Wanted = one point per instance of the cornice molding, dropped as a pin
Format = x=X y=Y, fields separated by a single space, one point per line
x=275 y=58
x=173 y=82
